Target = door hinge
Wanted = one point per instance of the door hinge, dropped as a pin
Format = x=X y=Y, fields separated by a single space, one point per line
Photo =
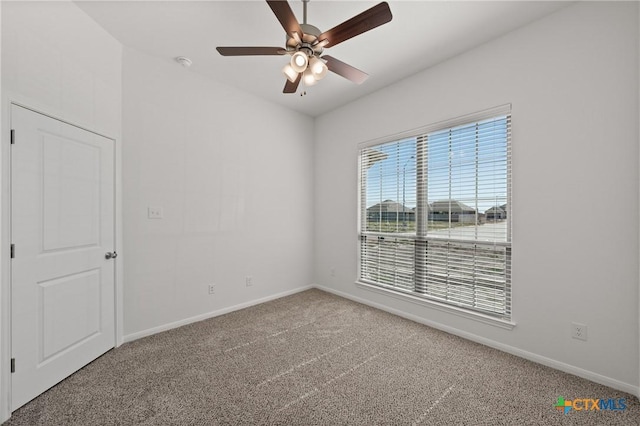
x=13 y=365
x=13 y=136
x=13 y=251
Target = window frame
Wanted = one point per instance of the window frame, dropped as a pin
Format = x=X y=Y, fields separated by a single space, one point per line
x=414 y=296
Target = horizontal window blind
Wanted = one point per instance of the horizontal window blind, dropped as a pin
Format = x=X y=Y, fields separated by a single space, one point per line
x=390 y=187
x=435 y=215
x=389 y=261
x=471 y=275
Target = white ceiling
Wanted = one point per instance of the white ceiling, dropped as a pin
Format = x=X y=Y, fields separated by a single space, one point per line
x=421 y=34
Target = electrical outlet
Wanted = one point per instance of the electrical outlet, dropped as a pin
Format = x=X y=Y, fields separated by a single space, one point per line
x=578 y=331
x=212 y=288
x=248 y=281
x=154 y=212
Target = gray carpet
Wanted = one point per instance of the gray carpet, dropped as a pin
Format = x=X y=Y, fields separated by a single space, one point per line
x=315 y=359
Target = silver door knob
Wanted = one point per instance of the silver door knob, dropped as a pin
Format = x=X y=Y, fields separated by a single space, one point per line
x=110 y=255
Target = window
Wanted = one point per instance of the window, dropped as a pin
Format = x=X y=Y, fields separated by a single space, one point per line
x=435 y=213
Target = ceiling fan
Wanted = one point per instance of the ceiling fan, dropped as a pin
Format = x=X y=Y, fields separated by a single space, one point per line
x=305 y=43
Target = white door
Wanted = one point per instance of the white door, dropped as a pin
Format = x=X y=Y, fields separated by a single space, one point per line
x=62 y=225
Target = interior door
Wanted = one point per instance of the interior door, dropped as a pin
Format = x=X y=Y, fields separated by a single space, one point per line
x=63 y=265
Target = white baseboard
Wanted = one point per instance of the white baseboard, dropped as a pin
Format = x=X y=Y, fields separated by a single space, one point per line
x=150 y=331
x=558 y=365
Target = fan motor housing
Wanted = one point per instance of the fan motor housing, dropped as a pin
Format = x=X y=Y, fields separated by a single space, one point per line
x=310 y=30
x=308 y=38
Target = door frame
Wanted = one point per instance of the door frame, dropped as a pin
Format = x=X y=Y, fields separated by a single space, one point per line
x=5 y=244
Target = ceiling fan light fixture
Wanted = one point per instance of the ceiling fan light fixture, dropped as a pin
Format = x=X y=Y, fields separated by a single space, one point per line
x=299 y=61
x=308 y=78
x=305 y=44
x=318 y=68
x=290 y=73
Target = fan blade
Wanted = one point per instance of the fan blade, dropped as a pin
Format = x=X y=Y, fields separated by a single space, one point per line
x=250 y=51
x=290 y=87
x=367 y=20
x=285 y=15
x=345 y=70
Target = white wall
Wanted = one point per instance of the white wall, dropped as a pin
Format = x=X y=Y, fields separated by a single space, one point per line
x=572 y=80
x=234 y=177
x=56 y=60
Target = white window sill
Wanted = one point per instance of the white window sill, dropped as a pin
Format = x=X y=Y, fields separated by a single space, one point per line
x=475 y=316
